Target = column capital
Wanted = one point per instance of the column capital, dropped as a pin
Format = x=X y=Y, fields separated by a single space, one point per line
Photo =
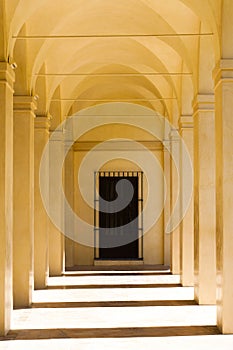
x=69 y=145
x=186 y=122
x=203 y=103
x=42 y=122
x=167 y=145
x=174 y=135
x=223 y=72
x=57 y=135
x=7 y=74
x=24 y=104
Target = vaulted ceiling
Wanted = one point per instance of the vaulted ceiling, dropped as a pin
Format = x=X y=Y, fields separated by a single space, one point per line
x=155 y=53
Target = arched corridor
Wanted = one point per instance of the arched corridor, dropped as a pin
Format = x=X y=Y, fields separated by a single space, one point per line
x=116 y=156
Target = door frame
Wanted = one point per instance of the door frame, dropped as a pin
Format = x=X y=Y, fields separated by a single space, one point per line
x=125 y=174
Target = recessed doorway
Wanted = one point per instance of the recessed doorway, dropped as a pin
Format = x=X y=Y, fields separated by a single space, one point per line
x=117 y=227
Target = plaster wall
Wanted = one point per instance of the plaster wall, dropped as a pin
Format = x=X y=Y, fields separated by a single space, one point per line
x=119 y=155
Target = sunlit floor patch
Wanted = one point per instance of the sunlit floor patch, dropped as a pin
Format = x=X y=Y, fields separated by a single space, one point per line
x=113 y=280
x=116 y=294
x=209 y=342
x=114 y=317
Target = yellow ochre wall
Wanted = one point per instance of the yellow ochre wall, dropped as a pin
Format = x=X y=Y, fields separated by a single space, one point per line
x=153 y=246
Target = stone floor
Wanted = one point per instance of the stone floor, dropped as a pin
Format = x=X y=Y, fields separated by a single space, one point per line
x=115 y=309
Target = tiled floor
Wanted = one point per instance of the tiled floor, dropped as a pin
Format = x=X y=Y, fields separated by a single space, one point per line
x=115 y=310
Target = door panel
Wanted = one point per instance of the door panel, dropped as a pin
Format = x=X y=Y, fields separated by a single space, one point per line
x=114 y=241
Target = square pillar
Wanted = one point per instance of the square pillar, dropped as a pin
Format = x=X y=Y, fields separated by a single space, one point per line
x=41 y=234
x=175 y=187
x=69 y=193
x=204 y=199
x=187 y=224
x=167 y=204
x=6 y=194
x=23 y=215
x=224 y=193
x=56 y=237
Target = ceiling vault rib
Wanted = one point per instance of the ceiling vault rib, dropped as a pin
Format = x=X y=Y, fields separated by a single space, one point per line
x=86 y=36
x=78 y=114
x=111 y=99
x=112 y=74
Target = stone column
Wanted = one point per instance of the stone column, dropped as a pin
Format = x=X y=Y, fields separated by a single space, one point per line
x=224 y=192
x=175 y=187
x=69 y=192
x=204 y=200
x=23 y=215
x=56 y=238
x=41 y=235
x=6 y=197
x=187 y=224
x=167 y=204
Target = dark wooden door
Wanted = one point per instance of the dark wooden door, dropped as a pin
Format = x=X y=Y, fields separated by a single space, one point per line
x=113 y=241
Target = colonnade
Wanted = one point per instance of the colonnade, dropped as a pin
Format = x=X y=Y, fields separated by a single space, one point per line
x=25 y=228
x=201 y=247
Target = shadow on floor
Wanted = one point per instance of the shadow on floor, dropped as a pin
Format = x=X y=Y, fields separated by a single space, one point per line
x=116 y=286
x=115 y=304
x=111 y=332
x=141 y=268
